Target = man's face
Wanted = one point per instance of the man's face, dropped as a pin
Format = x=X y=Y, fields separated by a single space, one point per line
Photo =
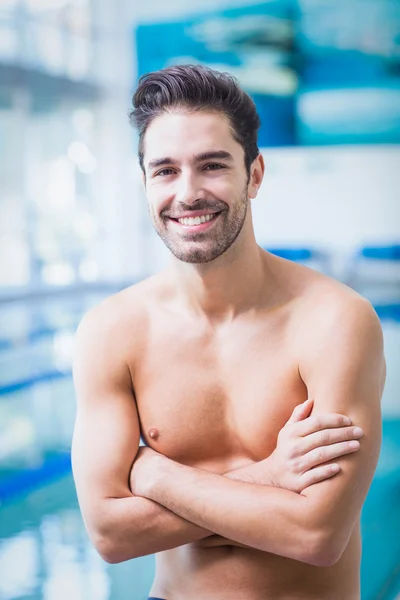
x=196 y=184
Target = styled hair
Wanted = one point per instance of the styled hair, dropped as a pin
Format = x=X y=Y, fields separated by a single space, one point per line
x=196 y=88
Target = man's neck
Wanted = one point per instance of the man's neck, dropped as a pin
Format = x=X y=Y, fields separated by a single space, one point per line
x=225 y=287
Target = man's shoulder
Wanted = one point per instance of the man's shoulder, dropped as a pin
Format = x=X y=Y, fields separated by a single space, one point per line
x=124 y=313
x=330 y=301
x=339 y=340
x=331 y=314
x=325 y=305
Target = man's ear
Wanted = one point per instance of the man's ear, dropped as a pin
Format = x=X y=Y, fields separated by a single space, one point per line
x=257 y=170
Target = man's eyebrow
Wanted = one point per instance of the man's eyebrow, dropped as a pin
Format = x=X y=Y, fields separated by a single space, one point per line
x=158 y=162
x=211 y=155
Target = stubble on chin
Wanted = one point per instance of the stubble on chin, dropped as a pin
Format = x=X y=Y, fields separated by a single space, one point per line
x=218 y=244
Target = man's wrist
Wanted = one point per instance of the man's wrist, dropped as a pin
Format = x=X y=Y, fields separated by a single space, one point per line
x=160 y=470
x=167 y=477
x=258 y=472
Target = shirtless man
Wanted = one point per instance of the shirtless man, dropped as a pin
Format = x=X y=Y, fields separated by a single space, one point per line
x=237 y=368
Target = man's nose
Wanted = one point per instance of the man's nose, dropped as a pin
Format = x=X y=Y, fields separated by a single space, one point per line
x=189 y=189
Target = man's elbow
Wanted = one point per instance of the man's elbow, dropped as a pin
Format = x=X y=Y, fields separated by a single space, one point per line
x=111 y=552
x=106 y=547
x=114 y=550
x=108 y=542
x=108 y=552
x=326 y=550
x=107 y=532
x=113 y=558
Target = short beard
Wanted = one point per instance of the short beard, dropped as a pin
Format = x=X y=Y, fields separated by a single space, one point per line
x=223 y=240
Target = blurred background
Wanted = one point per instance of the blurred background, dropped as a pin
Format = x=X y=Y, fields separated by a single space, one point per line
x=74 y=226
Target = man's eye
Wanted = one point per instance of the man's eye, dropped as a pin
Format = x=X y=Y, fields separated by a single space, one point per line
x=214 y=166
x=164 y=172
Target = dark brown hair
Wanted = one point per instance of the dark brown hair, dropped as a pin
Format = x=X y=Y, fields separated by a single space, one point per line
x=193 y=88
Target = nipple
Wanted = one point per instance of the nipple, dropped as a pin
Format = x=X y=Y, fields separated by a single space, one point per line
x=154 y=433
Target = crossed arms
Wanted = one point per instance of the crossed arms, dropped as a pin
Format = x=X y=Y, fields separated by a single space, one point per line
x=159 y=504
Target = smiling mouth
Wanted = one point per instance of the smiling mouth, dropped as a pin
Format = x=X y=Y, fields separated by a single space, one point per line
x=193 y=221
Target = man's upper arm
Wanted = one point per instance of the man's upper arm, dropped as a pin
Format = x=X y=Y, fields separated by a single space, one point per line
x=344 y=371
x=106 y=435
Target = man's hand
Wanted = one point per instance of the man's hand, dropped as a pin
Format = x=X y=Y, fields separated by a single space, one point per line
x=305 y=448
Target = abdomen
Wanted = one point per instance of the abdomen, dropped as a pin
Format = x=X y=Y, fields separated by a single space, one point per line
x=225 y=572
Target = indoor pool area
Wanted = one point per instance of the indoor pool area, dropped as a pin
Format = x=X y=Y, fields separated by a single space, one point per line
x=174 y=142
x=44 y=549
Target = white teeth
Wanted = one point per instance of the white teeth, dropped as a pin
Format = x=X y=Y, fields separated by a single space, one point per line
x=190 y=221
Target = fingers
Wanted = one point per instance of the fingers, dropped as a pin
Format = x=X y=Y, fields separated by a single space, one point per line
x=329 y=436
x=301 y=411
x=319 y=474
x=327 y=453
x=322 y=421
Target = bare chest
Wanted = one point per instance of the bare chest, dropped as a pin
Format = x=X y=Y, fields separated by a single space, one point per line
x=208 y=403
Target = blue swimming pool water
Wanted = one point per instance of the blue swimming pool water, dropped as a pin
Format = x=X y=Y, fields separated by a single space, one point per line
x=44 y=549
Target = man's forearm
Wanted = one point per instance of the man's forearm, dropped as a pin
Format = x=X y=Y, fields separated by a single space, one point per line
x=272 y=520
x=137 y=526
